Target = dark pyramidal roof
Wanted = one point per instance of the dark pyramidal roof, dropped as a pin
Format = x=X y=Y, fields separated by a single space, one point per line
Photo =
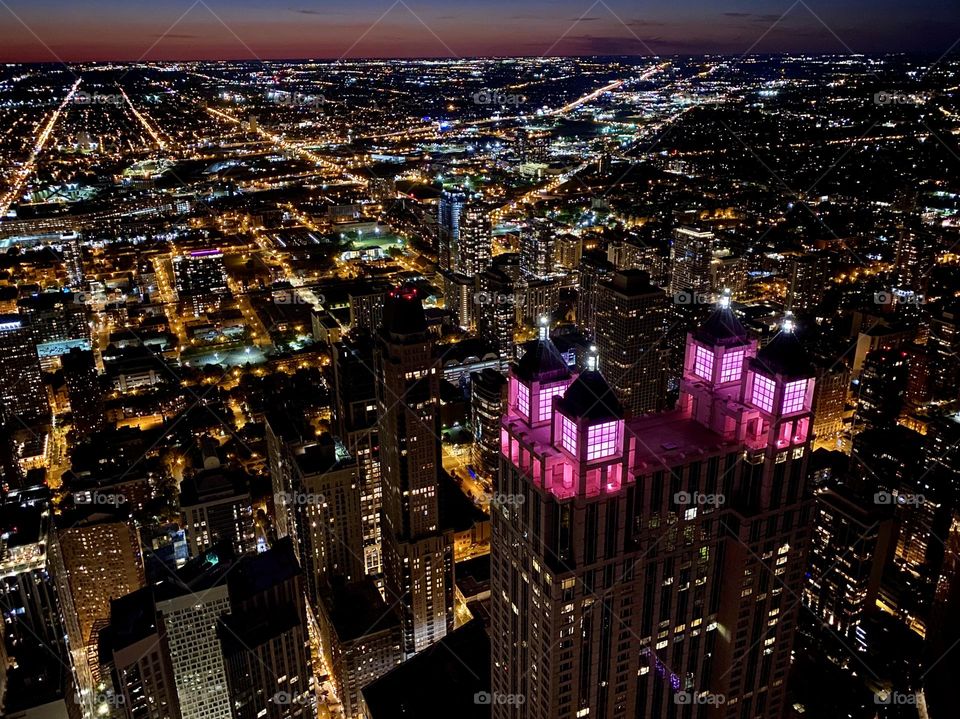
x=784 y=355
x=590 y=397
x=722 y=328
x=542 y=361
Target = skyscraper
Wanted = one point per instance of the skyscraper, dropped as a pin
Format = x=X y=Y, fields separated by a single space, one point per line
x=264 y=638
x=84 y=390
x=538 y=248
x=487 y=401
x=680 y=534
x=136 y=647
x=94 y=557
x=23 y=396
x=355 y=423
x=594 y=269
x=631 y=325
x=417 y=553
x=449 y=211
x=690 y=256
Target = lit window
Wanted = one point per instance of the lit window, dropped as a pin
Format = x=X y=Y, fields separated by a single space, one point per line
x=793 y=396
x=546 y=400
x=568 y=434
x=731 y=366
x=703 y=363
x=763 y=388
x=523 y=399
x=602 y=440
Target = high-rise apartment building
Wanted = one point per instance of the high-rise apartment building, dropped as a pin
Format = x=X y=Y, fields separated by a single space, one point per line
x=23 y=395
x=652 y=562
x=215 y=505
x=94 y=557
x=201 y=280
x=417 y=552
x=84 y=389
x=690 y=256
x=631 y=324
x=594 y=269
x=449 y=211
x=488 y=399
x=538 y=244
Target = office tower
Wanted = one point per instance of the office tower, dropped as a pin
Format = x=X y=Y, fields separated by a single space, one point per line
x=200 y=279
x=362 y=641
x=93 y=558
x=883 y=382
x=850 y=545
x=809 y=277
x=496 y=310
x=264 y=638
x=449 y=212
x=594 y=269
x=326 y=510
x=23 y=396
x=135 y=645
x=355 y=423
x=631 y=325
x=189 y=605
x=541 y=297
x=215 y=505
x=914 y=256
x=654 y=559
x=488 y=400
x=538 y=248
x=417 y=552
x=944 y=346
x=84 y=391
x=829 y=403
x=690 y=256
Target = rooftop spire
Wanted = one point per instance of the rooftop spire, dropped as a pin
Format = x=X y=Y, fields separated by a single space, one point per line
x=544 y=328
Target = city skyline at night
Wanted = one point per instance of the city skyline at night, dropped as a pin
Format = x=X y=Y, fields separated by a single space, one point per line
x=528 y=360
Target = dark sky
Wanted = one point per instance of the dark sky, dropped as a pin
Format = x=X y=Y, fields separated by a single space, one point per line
x=71 y=30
